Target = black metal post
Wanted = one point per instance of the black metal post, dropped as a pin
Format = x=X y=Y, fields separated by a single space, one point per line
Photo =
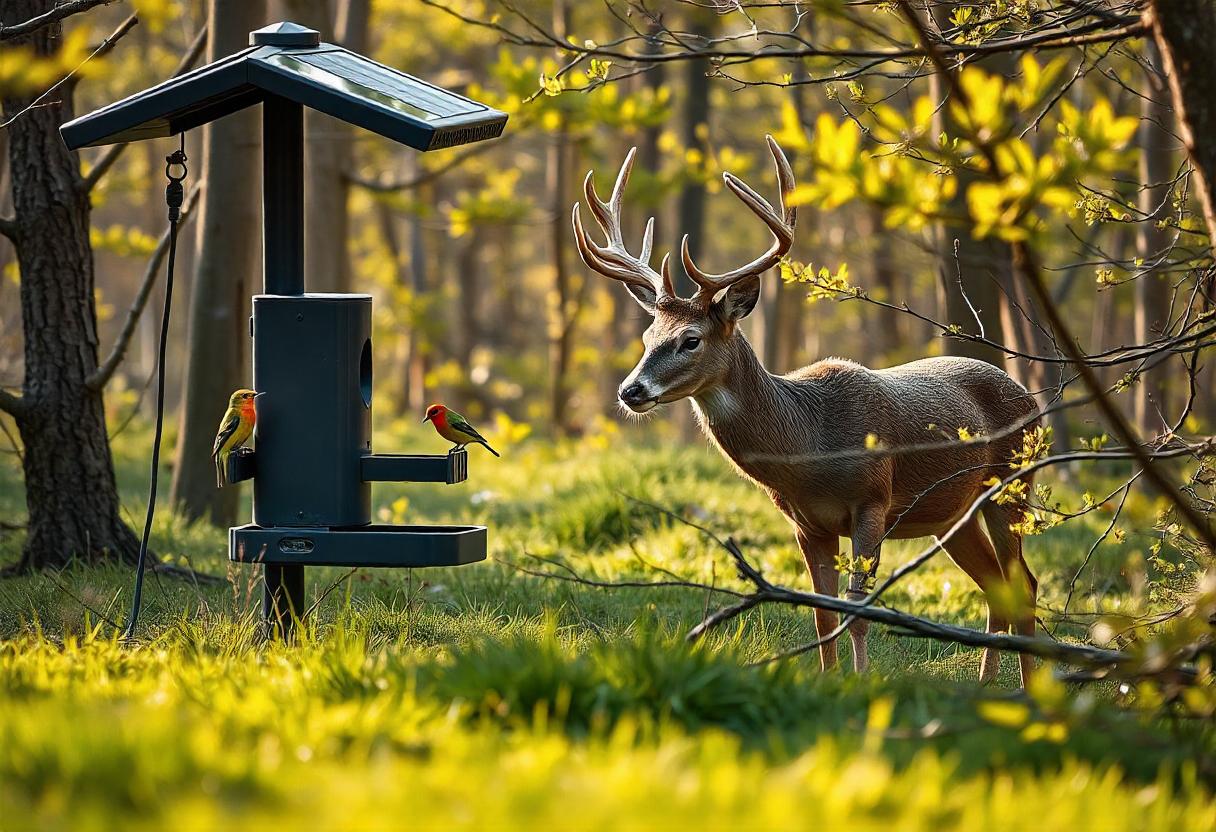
x=283 y=600
x=282 y=196
x=283 y=274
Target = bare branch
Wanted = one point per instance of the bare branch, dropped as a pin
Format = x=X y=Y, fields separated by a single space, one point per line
x=1104 y=31
x=102 y=48
x=1117 y=662
x=381 y=186
x=56 y=14
x=106 y=369
x=112 y=153
x=1026 y=263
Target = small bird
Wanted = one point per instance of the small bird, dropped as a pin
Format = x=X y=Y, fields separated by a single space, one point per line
x=455 y=428
x=235 y=429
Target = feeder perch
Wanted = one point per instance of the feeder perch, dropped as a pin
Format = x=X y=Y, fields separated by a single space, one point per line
x=313 y=465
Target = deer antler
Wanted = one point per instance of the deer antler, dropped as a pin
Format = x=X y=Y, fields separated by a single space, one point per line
x=781 y=224
x=614 y=259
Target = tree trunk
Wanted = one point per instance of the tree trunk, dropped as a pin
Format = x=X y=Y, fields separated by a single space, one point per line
x=889 y=323
x=562 y=313
x=420 y=277
x=228 y=259
x=690 y=217
x=970 y=278
x=70 y=490
x=1185 y=32
x=327 y=152
x=561 y=328
x=1153 y=289
x=470 y=283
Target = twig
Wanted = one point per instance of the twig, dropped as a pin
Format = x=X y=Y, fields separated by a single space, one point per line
x=112 y=152
x=386 y=187
x=308 y=612
x=105 y=371
x=57 y=13
x=102 y=48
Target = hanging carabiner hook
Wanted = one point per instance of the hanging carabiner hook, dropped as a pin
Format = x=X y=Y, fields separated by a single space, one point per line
x=174 y=192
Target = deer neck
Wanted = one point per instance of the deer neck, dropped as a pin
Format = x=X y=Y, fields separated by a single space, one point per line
x=747 y=411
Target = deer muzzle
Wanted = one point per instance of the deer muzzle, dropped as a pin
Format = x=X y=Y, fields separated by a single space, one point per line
x=635 y=396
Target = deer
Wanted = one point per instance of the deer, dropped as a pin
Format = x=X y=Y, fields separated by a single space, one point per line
x=809 y=438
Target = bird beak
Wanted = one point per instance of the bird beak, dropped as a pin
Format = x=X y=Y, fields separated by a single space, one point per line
x=426 y=418
x=259 y=395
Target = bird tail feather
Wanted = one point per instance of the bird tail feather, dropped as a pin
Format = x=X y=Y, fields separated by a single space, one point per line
x=488 y=448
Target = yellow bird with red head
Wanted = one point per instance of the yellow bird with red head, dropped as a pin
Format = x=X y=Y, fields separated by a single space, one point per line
x=455 y=428
x=235 y=429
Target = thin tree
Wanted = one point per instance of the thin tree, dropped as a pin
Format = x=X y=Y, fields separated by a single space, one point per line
x=228 y=255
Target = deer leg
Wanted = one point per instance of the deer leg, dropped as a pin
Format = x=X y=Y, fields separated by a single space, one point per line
x=868 y=529
x=820 y=556
x=1008 y=545
x=974 y=554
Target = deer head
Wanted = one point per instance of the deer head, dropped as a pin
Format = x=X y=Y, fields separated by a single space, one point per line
x=684 y=346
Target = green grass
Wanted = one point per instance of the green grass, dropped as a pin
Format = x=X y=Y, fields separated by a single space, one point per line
x=481 y=696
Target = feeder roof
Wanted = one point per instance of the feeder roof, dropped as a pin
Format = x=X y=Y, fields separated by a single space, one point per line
x=290 y=61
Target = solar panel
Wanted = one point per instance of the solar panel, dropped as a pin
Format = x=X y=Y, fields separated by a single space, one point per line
x=285 y=63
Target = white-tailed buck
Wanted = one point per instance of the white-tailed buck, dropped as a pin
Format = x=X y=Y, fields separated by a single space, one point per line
x=803 y=437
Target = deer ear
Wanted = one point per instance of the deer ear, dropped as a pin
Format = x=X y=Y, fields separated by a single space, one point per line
x=646 y=298
x=739 y=300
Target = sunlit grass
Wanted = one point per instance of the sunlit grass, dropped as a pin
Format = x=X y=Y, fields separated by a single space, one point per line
x=480 y=696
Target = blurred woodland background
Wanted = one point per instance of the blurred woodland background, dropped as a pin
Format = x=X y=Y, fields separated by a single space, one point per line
x=906 y=245
x=1029 y=182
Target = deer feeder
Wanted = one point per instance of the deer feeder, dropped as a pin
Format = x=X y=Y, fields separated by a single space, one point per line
x=313 y=464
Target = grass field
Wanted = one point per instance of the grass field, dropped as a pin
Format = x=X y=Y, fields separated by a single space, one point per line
x=482 y=697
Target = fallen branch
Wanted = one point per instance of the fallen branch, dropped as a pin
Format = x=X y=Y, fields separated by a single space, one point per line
x=1105 y=663
x=768 y=593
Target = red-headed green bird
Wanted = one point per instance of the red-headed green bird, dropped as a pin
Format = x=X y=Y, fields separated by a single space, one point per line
x=235 y=429
x=455 y=428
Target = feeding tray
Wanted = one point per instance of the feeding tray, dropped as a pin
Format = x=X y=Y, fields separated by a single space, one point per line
x=450 y=468
x=372 y=546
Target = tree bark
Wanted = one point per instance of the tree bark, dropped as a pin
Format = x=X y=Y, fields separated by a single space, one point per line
x=71 y=495
x=562 y=312
x=1185 y=33
x=690 y=217
x=970 y=279
x=228 y=259
x=1152 y=242
x=420 y=275
x=890 y=324
x=561 y=325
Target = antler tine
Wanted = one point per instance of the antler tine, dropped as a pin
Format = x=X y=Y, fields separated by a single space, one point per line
x=780 y=223
x=669 y=287
x=614 y=259
x=608 y=214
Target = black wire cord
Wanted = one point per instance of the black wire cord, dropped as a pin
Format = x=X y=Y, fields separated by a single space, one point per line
x=174 y=196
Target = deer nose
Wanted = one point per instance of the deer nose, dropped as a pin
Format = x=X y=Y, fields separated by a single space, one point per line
x=635 y=396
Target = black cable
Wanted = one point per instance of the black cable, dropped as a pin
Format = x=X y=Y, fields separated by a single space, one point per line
x=174 y=196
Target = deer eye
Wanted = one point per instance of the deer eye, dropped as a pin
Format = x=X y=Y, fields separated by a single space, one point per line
x=690 y=343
